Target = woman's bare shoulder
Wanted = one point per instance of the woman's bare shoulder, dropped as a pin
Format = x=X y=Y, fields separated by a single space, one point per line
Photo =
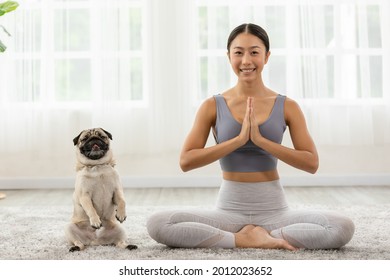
x=207 y=111
x=292 y=110
x=291 y=104
x=208 y=104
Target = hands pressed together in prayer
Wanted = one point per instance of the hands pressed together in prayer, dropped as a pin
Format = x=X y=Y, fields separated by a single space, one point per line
x=250 y=126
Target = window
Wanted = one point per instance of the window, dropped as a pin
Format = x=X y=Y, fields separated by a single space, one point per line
x=77 y=51
x=319 y=49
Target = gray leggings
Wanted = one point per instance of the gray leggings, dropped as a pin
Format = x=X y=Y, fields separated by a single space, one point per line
x=239 y=204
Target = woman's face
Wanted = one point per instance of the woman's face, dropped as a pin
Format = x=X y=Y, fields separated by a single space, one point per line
x=247 y=55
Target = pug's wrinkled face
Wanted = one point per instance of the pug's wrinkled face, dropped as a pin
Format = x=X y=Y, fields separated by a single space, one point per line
x=93 y=143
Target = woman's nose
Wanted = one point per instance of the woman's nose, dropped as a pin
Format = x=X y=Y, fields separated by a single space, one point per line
x=246 y=59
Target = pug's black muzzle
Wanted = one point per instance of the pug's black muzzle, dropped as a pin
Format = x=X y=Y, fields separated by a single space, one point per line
x=94 y=148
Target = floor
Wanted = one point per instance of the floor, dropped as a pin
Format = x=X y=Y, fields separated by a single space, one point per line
x=345 y=195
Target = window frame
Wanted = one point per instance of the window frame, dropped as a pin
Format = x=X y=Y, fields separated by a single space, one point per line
x=47 y=55
x=337 y=52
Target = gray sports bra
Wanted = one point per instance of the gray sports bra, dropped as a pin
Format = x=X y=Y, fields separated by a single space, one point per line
x=249 y=158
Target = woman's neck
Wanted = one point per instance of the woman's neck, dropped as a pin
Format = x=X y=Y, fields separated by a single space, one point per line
x=252 y=89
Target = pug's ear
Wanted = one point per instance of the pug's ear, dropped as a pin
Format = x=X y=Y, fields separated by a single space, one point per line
x=108 y=133
x=76 y=139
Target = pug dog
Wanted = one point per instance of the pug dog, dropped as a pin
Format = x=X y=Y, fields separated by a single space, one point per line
x=98 y=200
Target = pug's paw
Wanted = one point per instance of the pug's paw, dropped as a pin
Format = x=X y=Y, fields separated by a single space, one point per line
x=120 y=215
x=95 y=222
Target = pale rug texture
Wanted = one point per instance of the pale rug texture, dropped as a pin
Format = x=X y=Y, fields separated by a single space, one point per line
x=37 y=233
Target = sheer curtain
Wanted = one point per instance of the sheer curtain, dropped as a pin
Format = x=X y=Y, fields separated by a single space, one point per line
x=333 y=58
x=70 y=65
x=140 y=69
x=344 y=89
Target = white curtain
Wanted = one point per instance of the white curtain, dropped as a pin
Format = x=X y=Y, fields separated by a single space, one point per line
x=350 y=108
x=140 y=69
x=72 y=65
x=333 y=58
x=330 y=56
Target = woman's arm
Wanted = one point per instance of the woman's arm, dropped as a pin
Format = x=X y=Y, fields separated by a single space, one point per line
x=304 y=156
x=194 y=154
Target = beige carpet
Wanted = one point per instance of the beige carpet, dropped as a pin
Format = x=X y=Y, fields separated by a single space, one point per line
x=37 y=233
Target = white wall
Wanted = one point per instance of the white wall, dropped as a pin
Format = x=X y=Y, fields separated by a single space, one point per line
x=338 y=166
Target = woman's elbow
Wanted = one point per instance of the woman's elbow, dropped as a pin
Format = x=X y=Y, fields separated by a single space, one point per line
x=184 y=167
x=312 y=170
x=184 y=164
x=313 y=167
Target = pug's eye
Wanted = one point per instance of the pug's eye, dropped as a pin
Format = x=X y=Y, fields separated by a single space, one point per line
x=98 y=134
x=84 y=138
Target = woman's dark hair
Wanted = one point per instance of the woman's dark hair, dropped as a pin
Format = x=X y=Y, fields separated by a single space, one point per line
x=251 y=29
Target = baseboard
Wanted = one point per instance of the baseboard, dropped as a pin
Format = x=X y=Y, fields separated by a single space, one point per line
x=200 y=181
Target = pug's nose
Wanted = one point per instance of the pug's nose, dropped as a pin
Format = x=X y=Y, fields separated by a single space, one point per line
x=95 y=147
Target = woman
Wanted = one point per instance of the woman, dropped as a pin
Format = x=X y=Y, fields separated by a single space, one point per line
x=248 y=122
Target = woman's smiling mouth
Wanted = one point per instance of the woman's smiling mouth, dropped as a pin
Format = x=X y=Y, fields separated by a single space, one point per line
x=247 y=70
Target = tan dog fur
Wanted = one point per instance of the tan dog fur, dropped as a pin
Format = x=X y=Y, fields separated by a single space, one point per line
x=98 y=198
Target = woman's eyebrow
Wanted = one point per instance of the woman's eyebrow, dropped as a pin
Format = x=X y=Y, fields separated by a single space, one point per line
x=253 y=47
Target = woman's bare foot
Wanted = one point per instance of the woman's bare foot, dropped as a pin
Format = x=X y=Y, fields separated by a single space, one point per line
x=247 y=229
x=252 y=236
